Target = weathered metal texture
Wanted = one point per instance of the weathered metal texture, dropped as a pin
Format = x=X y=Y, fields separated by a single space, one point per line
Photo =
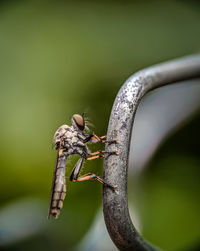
x=115 y=204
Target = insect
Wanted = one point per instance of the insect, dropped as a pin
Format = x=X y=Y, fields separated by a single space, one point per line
x=70 y=140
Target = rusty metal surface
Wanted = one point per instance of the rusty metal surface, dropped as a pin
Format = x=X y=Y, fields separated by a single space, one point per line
x=115 y=204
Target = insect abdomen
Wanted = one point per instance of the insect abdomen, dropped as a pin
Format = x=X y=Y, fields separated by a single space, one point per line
x=59 y=189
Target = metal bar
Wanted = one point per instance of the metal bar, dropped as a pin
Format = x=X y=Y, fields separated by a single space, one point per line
x=115 y=204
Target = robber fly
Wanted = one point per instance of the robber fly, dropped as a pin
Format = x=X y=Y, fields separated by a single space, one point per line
x=70 y=140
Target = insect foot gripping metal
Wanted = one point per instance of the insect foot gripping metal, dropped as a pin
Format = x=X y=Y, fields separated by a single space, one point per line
x=70 y=140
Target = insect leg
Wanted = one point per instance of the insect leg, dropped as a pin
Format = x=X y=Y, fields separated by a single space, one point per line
x=102 y=139
x=92 y=176
x=94 y=157
x=98 y=153
x=89 y=137
x=75 y=172
x=101 y=154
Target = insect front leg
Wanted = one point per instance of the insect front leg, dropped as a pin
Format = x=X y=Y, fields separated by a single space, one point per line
x=88 y=138
x=94 y=138
x=102 y=139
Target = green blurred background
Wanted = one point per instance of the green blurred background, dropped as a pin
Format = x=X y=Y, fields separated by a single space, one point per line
x=58 y=58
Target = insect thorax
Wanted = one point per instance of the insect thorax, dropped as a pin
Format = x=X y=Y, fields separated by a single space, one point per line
x=69 y=137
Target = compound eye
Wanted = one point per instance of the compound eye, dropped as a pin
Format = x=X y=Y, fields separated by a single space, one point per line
x=79 y=120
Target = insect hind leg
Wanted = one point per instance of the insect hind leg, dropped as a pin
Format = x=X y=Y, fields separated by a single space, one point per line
x=75 y=172
x=92 y=176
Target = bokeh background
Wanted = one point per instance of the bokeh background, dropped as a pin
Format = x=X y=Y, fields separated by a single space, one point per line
x=58 y=58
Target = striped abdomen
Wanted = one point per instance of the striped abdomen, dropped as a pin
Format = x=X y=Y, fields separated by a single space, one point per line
x=58 y=191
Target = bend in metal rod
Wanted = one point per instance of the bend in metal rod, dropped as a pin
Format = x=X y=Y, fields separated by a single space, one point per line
x=115 y=204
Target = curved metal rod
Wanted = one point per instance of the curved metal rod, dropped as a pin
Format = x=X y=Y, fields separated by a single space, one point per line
x=115 y=204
